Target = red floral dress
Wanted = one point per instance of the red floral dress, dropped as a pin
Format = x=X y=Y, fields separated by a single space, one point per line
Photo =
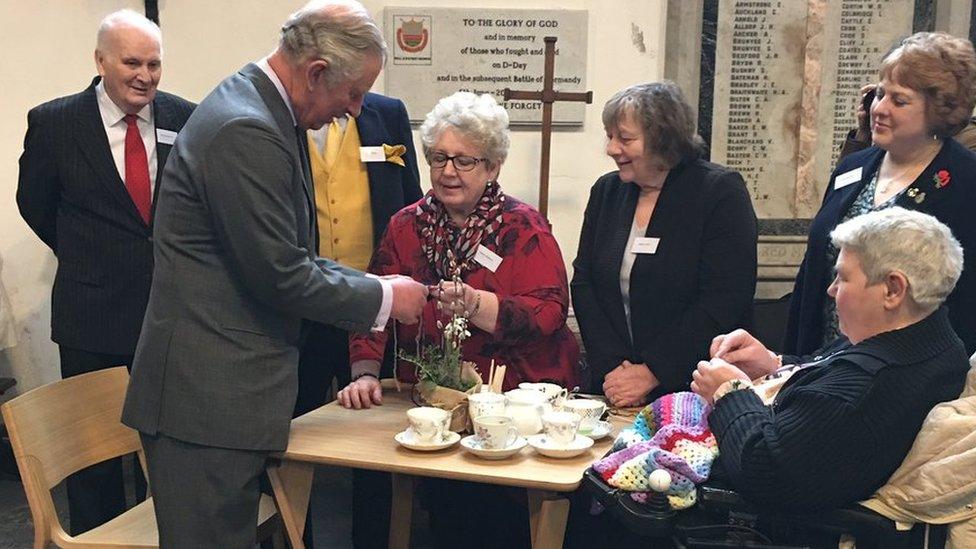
x=530 y=337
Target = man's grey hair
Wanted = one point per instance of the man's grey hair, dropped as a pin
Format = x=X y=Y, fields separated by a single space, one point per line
x=478 y=119
x=913 y=243
x=126 y=18
x=341 y=32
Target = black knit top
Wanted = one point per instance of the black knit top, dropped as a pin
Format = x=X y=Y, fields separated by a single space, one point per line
x=840 y=428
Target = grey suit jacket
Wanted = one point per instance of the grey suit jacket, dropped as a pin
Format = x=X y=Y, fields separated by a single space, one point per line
x=235 y=275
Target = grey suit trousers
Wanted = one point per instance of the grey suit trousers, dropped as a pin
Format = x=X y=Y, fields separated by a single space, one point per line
x=226 y=485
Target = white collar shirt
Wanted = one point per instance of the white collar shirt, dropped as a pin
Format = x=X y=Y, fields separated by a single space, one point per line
x=113 y=118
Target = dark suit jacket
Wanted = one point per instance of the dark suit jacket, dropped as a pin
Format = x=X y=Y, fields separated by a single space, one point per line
x=384 y=120
x=699 y=283
x=72 y=196
x=953 y=205
x=235 y=274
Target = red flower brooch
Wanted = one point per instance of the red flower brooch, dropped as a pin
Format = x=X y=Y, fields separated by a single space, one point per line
x=941 y=179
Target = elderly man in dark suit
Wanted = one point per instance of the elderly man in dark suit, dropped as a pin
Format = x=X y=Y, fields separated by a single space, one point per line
x=87 y=179
x=236 y=273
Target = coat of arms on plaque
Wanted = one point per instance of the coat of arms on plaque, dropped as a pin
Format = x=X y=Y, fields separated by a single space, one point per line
x=412 y=39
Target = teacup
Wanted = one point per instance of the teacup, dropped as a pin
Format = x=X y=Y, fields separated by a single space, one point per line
x=561 y=427
x=486 y=404
x=588 y=409
x=552 y=391
x=429 y=424
x=495 y=432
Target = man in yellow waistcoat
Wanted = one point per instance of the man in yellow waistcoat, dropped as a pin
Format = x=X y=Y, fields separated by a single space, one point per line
x=364 y=170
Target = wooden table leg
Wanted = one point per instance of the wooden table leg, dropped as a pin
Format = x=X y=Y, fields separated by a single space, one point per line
x=401 y=512
x=291 y=483
x=548 y=512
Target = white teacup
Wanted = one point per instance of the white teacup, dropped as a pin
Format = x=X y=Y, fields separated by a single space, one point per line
x=429 y=424
x=552 y=391
x=486 y=404
x=495 y=432
x=588 y=409
x=561 y=427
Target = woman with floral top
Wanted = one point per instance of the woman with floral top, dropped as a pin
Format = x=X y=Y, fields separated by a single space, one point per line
x=926 y=93
x=514 y=290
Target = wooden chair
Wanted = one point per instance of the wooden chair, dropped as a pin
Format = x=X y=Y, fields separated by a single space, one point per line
x=63 y=427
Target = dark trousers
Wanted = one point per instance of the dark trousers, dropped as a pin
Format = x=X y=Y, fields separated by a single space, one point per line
x=96 y=494
x=324 y=355
x=204 y=496
x=473 y=515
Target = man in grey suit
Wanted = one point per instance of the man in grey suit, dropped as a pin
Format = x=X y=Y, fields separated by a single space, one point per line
x=214 y=379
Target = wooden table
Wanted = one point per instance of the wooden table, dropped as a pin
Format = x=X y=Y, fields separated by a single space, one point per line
x=363 y=439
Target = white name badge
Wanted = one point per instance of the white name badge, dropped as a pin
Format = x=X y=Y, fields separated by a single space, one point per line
x=847 y=178
x=372 y=154
x=645 y=245
x=166 y=137
x=488 y=258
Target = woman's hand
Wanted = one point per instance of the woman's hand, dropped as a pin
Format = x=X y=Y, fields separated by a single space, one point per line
x=711 y=374
x=746 y=352
x=479 y=306
x=629 y=384
x=365 y=391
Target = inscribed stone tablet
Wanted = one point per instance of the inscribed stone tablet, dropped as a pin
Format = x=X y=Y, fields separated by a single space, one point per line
x=435 y=52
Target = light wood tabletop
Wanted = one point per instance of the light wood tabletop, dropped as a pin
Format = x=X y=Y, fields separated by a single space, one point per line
x=364 y=439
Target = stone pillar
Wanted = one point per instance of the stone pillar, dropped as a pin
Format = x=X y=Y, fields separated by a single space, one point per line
x=682 y=50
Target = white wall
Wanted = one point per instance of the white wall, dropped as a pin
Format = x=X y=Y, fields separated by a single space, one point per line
x=47 y=52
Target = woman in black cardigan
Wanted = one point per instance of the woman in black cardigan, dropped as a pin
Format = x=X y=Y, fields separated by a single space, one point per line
x=927 y=92
x=667 y=254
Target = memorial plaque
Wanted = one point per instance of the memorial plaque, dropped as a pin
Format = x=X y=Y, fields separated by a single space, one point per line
x=858 y=34
x=435 y=52
x=758 y=88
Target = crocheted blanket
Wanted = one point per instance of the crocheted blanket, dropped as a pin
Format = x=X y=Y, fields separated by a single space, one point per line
x=671 y=433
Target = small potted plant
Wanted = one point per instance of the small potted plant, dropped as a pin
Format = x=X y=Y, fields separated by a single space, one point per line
x=444 y=378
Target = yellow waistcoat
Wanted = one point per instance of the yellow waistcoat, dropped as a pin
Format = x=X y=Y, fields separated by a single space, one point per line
x=342 y=201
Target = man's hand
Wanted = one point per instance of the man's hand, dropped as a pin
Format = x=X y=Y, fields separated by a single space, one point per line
x=710 y=375
x=409 y=298
x=628 y=384
x=745 y=352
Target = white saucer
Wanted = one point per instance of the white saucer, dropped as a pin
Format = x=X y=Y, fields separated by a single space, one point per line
x=602 y=429
x=543 y=444
x=471 y=443
x=408 y=439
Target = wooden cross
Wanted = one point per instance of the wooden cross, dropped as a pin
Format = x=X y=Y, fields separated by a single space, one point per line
x=548 y=96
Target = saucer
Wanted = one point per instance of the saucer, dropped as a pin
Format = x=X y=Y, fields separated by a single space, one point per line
x=407 y=439
x=602 y=429
x=543 y=444
x=471 y=444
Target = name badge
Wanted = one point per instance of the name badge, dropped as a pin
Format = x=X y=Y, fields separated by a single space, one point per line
x=488 y=258
x=645 y=245
x=372 y=154
x=166 y=137
x=847 y=178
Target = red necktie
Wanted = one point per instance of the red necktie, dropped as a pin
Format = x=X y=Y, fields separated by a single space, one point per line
x=137 y=168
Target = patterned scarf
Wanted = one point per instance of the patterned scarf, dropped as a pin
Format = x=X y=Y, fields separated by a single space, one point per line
x=445 y=244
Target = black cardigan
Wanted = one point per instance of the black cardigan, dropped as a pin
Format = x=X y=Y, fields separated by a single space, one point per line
x=839 y=429
x=953 y=204
x=699 y=283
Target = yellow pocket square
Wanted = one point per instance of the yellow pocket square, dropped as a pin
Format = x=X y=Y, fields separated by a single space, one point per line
x=394 y=153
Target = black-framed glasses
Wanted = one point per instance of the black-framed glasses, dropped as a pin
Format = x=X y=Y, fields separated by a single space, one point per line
x=462 y=163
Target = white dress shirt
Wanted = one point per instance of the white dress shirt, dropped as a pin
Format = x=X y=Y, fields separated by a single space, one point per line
x=113 y=118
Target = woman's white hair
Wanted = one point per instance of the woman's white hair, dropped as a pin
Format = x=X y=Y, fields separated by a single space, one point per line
x=339 y=31
x=479 y=119
x=913 y=243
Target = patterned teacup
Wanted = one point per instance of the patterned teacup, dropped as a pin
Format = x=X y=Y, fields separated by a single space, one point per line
x=495 y=432
x=486 y=404
x=561 y=427
x=429 y=424
x=552 y=391
x=588 y=409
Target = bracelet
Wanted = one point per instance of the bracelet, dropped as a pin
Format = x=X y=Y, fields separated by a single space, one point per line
x=477 y=304
x=365 y=374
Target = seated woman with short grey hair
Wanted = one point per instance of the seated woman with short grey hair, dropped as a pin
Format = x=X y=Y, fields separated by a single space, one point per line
x=847 y=416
